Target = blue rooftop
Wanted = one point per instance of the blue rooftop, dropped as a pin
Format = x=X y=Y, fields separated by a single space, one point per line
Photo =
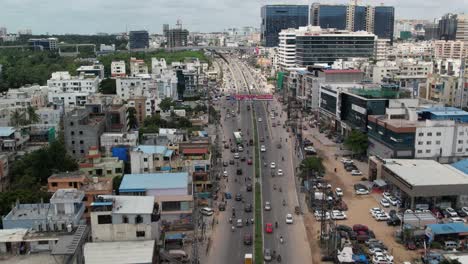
x=6 y=131
x=151 y=149
x=445 y=111
x=147 y=181
x=461 y=165
x=449 y=228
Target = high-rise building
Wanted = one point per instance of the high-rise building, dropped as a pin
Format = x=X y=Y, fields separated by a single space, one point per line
x=175 y=37
x=431 y=31
x=278 y=17
x=139 y=39
x=43 y=44
x=3 y=31
x=448 y=27
x=378 y=20
x=462 y=28
x=384 y=20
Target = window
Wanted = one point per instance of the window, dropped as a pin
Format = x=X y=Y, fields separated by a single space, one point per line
x=459 y=150
x=438 y=134
x=54 y=184
x=81 y=142
x=145 y=169
x=73 y=142
x=140 y=233
x=72 y=133
x=73 y=151
x=460 y=141
x=81 y=151
x=43 y=242
x=125 y=219
x=109 y=171
x=138 y=219
x=81 y=132
x=421 y=134
x=428 y=151
x=461 y=133
x=104 y=219
x=70 y=184
x=437 y=142
x=118 y=170
x=429 y=142
x=429 y=134
x=419 y=151
x=145 y=159
x=71 y=123
x=420 y=143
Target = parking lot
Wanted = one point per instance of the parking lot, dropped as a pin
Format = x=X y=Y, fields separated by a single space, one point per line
x=358 y=205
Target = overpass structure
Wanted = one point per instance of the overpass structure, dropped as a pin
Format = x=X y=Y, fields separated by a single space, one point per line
x=217 y=48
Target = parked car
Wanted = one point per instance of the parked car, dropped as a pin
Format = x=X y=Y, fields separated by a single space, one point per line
x=362 y=191
x=206 y=211
x=461 y=213
x=393 y=220
x=222 y=207
x=344 y=228
x=338 y=215
x=387 y=195
x=339 y=192
x=457 y=220
x=451 y=212
x=342 y=206
x=384 y=202
x=382 y=217
x=356 y=172
x=359 y=227
x=393 y=201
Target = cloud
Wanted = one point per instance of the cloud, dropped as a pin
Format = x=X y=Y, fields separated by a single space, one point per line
x=91 y=16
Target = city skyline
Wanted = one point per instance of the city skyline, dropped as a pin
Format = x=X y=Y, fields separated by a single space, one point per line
x=53 y=16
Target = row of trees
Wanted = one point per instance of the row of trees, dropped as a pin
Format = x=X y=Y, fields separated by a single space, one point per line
x=21 y=117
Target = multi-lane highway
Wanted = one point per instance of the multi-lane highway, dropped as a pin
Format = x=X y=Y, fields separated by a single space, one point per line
x=227 y=245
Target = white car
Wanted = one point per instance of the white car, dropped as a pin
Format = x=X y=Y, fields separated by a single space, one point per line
x=375 y=211
x=321 y=215
x=236 y=155
x=309 y=149
x=450 y=211
x=465 y=209
x=386 y=195
x=267 y=206
x=280 y=172
x=376 y=250
x=457 y=220
x=225 y=173
x=206 y=211
x=273 y=165
x=259 y=119
x=272 y=116
x=289 y=219
x=382 y=217
x=346 y=161
x=338 y=215
x=339 y=192
x=262 y=148
x=384 y=202
x=362 y=191
x=240 y=149
x=356 y=172
x=394 y=201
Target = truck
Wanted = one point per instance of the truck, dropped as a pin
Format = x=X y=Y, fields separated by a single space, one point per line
x=238 y=137
x=248 y=258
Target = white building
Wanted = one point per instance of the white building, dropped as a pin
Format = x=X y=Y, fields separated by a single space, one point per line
x=450 y=49
x=381 y=49
x=118 y=69
x=151 y=158
x=124 y=218
x=137 y=67
x=64 y=82
x=20 y=99
x=135 y=86
x=158 y=65
x=287 y=48
x=109 y=140
x=107 y=48
x=462 y=28
x=112 y=252
x=96 y=70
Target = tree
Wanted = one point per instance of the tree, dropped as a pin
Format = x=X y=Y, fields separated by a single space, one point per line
x=33 y=117
x=17 y=118
x=311 y=165
x=108 y=86
x=132 y=120
x=183 y=123
x=166 y=104
x=357 y=142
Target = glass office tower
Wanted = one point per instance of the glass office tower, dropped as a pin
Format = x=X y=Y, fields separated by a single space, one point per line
x=278 y=17
x=332 y=16
x=139 y=39
x=384 y=19
x=360 y=14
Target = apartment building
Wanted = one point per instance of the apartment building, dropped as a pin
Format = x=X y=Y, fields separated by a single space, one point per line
x=124 y=218
x=20 y=99
x=450 y=49
x=287 y=48
x=96 y=69
x=118 y=69
x=137 y=67
x=153 y=158
x=92 y=186
x=462 y=28
x=111 y=140
x=135 y=86
x=97 y=166
x=82 y=130
x=171 y=191
x=71 y=91
x=440 y=88
x=12 y=139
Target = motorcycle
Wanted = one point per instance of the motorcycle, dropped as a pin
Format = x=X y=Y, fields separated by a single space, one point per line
x=281 y=240
x=284 y=203
x=280 y=189
x=230 y=220
x=233 y=228
x=278 y=258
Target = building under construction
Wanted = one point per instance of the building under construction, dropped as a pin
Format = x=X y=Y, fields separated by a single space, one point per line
x=175 y=37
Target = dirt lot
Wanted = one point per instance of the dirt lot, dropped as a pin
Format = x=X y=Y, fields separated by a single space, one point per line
x=358 y=206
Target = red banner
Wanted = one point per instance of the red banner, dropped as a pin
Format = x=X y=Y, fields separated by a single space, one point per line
x=260 y=97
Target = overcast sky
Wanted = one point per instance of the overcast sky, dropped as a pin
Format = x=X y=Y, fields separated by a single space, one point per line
x=91 y=16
